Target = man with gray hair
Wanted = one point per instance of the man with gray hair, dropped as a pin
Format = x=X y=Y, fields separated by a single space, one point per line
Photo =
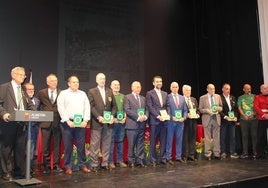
x=103 y=111
x=13 y=137
x=190 y=124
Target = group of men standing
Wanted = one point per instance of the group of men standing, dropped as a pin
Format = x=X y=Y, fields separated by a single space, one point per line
x=112 y=114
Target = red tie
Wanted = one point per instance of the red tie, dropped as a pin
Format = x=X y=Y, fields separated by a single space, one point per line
x=176 y=101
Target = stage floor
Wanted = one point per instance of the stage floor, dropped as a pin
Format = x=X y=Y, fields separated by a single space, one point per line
x=202 y=173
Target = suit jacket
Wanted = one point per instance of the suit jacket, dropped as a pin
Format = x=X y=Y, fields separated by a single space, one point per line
x=153 y=105
x=225 y=107
x=171 y=106
x=45 y=105
x=97 y=105
x=204 y=108
x=9 y=104
x=131 y=105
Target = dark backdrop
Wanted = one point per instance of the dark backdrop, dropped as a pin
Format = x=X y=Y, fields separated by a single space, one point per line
x=193 y=42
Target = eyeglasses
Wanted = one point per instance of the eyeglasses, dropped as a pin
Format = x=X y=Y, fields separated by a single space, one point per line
x=30 y=89
x=22 y=75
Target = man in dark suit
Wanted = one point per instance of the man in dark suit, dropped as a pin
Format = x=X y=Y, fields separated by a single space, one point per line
x=135 y=124
x=228 y=119
x=190 y=124
x=156 y=100
x=177 y=110
x=103 y=109
x=48 y=102
x=13 y=133
x=210 y=105
x=29 y=88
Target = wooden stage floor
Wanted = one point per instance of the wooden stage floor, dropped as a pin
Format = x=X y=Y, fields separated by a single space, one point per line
x=202 y=173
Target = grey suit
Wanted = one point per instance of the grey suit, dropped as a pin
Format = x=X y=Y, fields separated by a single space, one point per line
x=101 y=134
x=211 y=124
x=13 y=137
x=135 y=129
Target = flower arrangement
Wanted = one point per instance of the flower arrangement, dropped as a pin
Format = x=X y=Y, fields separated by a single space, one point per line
x=147 y=144
x=199 y=146
x=75 y=155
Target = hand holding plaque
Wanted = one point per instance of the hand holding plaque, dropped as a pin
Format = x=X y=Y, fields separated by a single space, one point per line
x=214 y=109
x=107 y=117
x=164 y=115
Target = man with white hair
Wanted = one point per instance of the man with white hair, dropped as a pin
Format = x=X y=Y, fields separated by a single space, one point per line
x=103 y=111
x=13 y=133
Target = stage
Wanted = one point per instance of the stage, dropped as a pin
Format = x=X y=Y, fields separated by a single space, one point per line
x=201 y=173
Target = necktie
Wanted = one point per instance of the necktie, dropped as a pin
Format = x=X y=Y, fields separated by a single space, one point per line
x=19 y=98
x=51 y=97
x=102 y=91
x=176 y=101
x=211 y=100
x=189 y=103
x=138 y=99
x=160 y=97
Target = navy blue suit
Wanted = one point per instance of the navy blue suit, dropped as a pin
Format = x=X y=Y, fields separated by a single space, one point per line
x=135 y=129
x=158 y=129
x=175 y=127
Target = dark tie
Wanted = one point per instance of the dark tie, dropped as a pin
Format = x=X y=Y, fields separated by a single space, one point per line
x=51 y=97
x=188 y=103
x=211 y=100
x=138 y=99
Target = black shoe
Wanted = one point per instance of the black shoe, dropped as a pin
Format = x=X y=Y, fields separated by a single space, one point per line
x=46 y=170
x=154 y=164
x=7 y=177
x=132 y=165
x=191 y=159
x=105 y=167
x=94 y=169
x=170 y=162
x=141 y=165
x=57 y=169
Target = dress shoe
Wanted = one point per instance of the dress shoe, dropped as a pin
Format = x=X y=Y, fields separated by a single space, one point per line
x=122 y=165
x=105 y=167
x=170 y=162
x=94 y=169
x=191 y=159
x=57 y=169
x=132 y=165
x=7 y=177
x=141 y=165
x=46 y=170
x=85 y=170
x=154 y=164
x=68 y=171
x=111 y=165
x=180 y=160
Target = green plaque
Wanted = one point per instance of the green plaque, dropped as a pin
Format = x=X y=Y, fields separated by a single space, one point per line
x=248 y=112
x=140 y=111
x=231 y=115
x=178 y=114
x=107 y=116
x=213 y=108
x=77 y=120
x=120 y=115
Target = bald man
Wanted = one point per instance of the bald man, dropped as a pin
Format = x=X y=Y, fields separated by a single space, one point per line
x=210 y=105
x=248 y=120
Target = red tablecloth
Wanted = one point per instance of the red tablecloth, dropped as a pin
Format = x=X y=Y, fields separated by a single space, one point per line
x=199 y=136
